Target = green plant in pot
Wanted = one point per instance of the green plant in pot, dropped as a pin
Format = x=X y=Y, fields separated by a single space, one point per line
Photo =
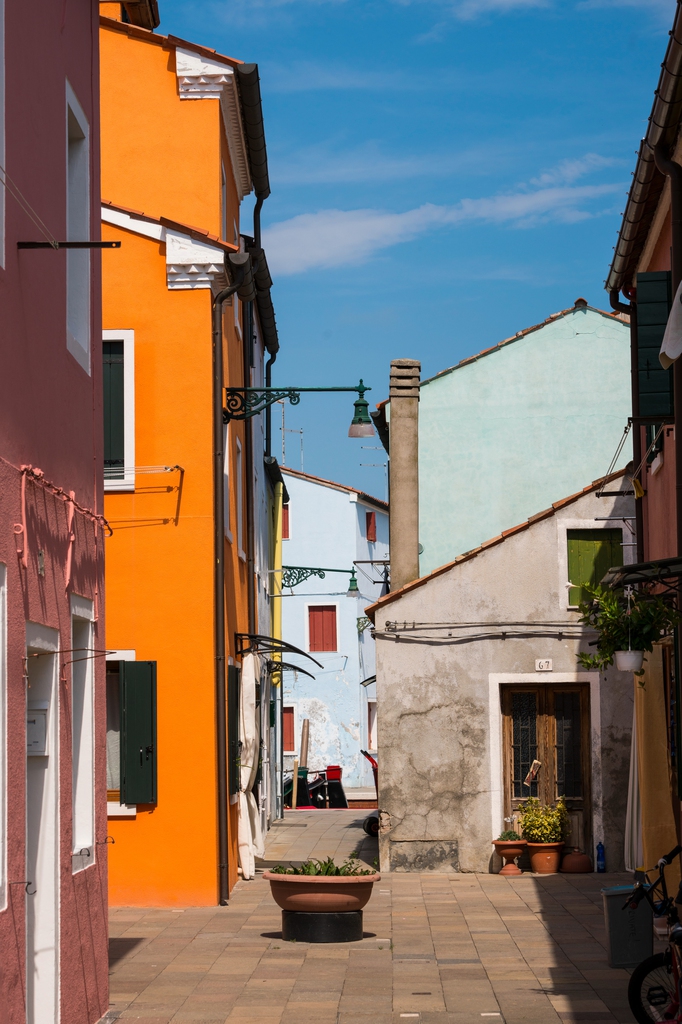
x=545 y=828
x=628 y=624
x=509 y=845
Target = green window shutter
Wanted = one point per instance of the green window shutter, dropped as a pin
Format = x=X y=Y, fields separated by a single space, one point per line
x=114 y=439
x=138 y=732
x=591 y=553
x=654 y=300
x=233 y=679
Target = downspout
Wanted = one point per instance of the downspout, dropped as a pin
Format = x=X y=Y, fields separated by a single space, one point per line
x=268 y=411
x=240 y=271
x=631 y=311
x=248 y=452
x=674 y=171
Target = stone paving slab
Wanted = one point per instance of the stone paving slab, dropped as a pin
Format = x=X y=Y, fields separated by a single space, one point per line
x=437 y=949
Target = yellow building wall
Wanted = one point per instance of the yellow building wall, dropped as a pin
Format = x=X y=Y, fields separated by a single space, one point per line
x=159 y=565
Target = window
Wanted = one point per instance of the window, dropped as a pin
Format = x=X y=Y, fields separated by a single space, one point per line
x=288 y=734
x=118 y=382
x=3 y=728
x=322 y=627
x=226 y=480
x=77 y=230
x=223 y=203
x=240 y=501
x=82 y=730
x=371 y=526
x=371 y=725
x=131 y=731
x=591 y=553
x=285 y=522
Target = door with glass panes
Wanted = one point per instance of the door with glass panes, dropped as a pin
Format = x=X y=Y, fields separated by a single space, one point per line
x=549 y=724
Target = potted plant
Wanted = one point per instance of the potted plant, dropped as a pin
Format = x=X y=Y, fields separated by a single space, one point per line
x=544 y=828
x=322 y=901
x=628 y=624
x=509 y=845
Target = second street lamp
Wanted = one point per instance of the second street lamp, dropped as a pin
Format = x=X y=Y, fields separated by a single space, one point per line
x=243 y=403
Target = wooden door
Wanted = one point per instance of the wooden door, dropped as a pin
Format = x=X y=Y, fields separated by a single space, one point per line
x=549 y=724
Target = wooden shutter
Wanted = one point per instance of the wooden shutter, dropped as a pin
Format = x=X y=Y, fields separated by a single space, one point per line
x=322 y=627
x=114 y=430
x=654 y=300
x=233 y=745
x=288 y=729
x=371 y=522
x=591 y=553
x=138 y=732
x=285 y=522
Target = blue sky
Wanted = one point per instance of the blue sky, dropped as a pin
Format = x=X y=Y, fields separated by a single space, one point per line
x=444 y=173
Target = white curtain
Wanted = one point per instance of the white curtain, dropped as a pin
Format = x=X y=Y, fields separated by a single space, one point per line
x=250 y=838
x=633 y=815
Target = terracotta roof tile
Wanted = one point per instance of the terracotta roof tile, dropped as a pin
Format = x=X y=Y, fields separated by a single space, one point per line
x=199 y=234
x=467 y=556
x=167 y=42
x=331 y=483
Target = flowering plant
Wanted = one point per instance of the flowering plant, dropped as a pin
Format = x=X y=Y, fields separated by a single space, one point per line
x=544 y=824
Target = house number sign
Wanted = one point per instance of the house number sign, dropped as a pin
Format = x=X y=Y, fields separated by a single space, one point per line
x=543 y=665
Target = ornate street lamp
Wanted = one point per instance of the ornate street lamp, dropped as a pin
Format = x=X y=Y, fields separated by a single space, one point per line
x=243 y=403
x=292 y=575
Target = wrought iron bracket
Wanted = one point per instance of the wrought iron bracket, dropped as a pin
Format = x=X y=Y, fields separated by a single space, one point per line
x=243 y=403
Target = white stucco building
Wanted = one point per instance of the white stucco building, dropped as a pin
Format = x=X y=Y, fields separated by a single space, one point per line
x=330 y=526
x=477 y=676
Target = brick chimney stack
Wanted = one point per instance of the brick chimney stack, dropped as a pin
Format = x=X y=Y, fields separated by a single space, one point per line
x=404 y=471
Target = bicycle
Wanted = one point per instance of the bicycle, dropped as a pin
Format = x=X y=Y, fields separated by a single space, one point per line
x=654 y=990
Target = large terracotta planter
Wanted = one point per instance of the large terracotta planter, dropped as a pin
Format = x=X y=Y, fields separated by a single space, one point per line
x=509 y=850
x=576 y=862
x=545 y=857
x=321 y=894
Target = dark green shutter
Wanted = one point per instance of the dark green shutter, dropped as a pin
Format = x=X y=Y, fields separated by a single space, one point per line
x=233 y=677
x=138 y=732
x=654 y=300
x=114 y=439
x=591 y=553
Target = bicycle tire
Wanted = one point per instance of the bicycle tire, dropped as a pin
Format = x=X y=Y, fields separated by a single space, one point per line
x=650 y=982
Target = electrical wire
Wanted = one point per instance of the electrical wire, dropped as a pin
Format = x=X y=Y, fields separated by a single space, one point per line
x=23 y=202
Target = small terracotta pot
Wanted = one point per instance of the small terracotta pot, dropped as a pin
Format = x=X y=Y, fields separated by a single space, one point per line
x=545 y=857
x=509 y=850
x=321 y=894
x=575 y=863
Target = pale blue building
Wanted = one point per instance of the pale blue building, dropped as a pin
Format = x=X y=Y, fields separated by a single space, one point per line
x=331 y=526
x=507 y=432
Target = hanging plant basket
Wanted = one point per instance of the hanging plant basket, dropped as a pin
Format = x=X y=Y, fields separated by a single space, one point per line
x=628 y=623
x=629 y=661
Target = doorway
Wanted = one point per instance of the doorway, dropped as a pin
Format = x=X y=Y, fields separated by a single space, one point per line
x=549 y=724
x=42 y=830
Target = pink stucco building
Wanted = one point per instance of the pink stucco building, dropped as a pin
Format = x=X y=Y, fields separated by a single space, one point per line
x=53 y=932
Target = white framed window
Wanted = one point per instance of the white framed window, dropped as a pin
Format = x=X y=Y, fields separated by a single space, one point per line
x=371 y=725
x=118 y=382
x=226 y=480
x=240 y=501
x=322 y=627
x=2 y=129
x=77 y=230
x=3 y=736
x=223 y=202
x=82 y=732
x=567 y=529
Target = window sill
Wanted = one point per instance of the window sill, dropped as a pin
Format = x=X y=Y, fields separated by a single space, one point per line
x=119 y=485
x=115 y=810
x=242 y=555
x=228 y=536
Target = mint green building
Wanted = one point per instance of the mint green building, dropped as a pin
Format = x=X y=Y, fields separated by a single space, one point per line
x=507 y=432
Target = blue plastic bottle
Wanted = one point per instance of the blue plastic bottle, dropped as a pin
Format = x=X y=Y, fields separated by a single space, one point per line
x=601 y=859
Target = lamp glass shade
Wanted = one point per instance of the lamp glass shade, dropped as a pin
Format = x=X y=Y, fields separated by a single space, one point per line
x=353 y=589
x=361 y=424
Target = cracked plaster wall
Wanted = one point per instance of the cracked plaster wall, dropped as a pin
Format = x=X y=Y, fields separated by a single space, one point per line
x=435 y=743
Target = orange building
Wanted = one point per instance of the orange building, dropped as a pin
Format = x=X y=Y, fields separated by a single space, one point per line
x=182 y=141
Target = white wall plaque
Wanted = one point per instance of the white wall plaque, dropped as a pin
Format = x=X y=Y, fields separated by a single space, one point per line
x=543 y=665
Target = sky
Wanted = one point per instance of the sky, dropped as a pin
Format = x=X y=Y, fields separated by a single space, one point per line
x=444 y=173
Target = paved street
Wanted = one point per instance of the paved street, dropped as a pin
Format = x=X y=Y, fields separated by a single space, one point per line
x=438 y=949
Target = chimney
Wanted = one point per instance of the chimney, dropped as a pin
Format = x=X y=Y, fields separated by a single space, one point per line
x=404 y=471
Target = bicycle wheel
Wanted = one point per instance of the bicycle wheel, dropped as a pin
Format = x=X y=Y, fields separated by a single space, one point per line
x=652 y=992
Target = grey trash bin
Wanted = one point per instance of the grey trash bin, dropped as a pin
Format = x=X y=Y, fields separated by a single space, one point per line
x=629 y=933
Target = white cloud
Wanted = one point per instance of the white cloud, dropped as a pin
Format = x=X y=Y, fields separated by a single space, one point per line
x=334 y=238
x=568 y=171
x=469 y=9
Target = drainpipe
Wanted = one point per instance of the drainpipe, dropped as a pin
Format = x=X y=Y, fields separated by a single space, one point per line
x=404 y=471
x=239 y=265
x=268 y=411
x=631 y=310
x=674 y=171
x=248 y=452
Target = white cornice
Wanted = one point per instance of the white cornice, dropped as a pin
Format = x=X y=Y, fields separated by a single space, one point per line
x=200 y=78
x=190 y=263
